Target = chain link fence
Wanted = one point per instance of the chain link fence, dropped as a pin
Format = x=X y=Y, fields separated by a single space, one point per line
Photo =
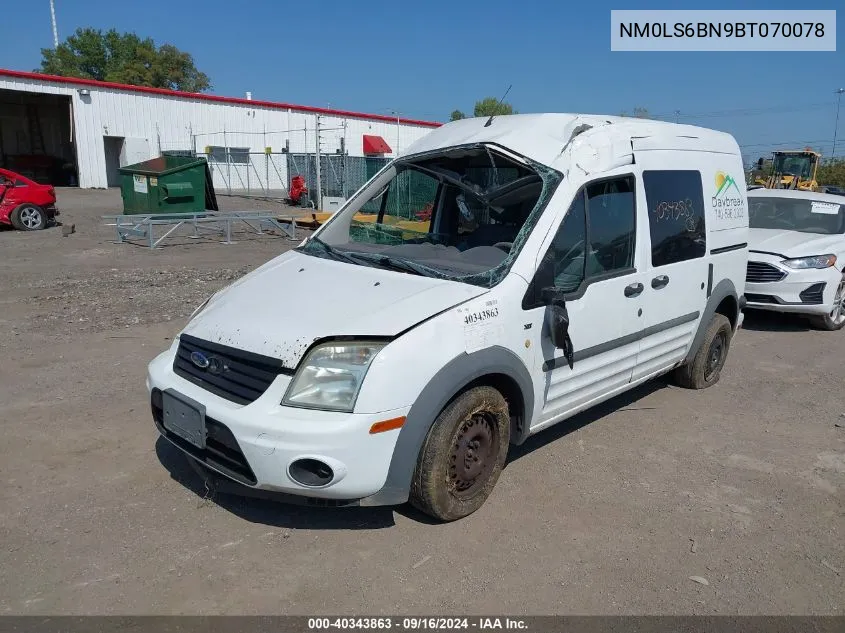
x=269 y=174
x=238 y=168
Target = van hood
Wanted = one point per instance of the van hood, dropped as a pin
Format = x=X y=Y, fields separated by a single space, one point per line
x=793 y=243
x=281 y=308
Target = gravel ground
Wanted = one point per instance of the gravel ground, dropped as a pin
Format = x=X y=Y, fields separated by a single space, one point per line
x=614 y=512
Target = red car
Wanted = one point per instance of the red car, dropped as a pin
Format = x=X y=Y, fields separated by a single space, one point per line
x=24 y=203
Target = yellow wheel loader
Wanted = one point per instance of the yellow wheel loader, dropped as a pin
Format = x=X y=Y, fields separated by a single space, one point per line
x=792 y=169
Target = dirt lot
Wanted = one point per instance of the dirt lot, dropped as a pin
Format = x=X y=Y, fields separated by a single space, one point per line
x=741 y=484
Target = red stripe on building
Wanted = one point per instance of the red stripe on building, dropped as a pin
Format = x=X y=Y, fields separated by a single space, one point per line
x=18 y=74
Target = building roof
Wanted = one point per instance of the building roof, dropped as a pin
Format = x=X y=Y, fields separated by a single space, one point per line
x=54 y=79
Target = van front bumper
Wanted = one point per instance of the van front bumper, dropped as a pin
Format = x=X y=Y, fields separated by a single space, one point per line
x=254 y=445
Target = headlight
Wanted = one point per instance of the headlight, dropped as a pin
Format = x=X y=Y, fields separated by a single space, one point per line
x=816 y=261
x=331 y=375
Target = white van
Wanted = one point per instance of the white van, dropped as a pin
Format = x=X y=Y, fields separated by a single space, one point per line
x=500 y=277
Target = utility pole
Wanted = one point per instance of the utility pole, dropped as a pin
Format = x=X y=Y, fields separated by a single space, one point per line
x=53 y=21
x=343 y=156
x=836 y=125
x=317 y=157
x=398 y=131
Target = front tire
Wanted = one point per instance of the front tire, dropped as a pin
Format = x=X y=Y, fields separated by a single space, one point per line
x=463 y=455
x=706 y=366
x=28 y=217
x=836 y=319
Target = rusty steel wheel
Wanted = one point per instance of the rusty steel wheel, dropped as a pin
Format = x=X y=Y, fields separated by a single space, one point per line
x=706 y=366
x=463 y=455
x=473 y=454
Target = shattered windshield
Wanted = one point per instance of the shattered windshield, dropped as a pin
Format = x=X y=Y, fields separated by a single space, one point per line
x=461 y=213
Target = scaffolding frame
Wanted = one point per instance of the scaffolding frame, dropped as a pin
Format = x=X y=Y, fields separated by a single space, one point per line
x=130 y=229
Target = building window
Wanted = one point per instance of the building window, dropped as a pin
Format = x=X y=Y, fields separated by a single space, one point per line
x=675 y=215
x=239 y=155
x=236 y=155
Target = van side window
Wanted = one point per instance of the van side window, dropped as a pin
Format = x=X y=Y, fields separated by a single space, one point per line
x=675 y=215
x=611 y=216
x=566 y=255
x=595 y=239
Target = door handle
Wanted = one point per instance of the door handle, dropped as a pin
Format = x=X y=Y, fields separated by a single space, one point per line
x=660 y=282
x=633 y=290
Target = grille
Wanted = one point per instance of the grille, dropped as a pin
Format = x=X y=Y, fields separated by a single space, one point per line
x=237 y=375
x=813 y=294
x=759 y=273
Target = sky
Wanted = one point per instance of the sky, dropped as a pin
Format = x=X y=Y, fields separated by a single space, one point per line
x=425 y=59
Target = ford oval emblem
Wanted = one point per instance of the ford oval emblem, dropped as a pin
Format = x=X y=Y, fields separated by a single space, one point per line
x=200 y=360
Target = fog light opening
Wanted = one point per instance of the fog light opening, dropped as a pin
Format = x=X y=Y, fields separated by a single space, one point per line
x=311 y=472
x=814 y=294
x=157 y=405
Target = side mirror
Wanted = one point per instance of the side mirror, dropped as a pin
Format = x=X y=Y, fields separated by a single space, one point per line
x=553 y=296
x=557 y=319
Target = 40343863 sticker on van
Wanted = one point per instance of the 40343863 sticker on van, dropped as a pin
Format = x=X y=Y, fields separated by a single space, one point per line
x=500 y=277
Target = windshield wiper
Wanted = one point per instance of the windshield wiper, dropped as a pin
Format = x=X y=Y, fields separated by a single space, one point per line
x=333 y=252
x=395 y=263
x=374 y=260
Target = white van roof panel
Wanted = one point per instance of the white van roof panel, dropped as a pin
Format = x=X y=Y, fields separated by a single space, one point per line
x=543 y=137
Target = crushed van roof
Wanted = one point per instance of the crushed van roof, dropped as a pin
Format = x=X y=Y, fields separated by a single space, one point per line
x=543 y=137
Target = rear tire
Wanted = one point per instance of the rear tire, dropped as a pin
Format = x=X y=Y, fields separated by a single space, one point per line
x=463 y=455
x=706 y=366
x=836 y=319
x=28 y=217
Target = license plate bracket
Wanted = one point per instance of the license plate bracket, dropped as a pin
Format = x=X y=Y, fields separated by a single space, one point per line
x=184 y=417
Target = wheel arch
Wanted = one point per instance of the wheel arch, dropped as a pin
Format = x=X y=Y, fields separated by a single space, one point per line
x=496 y=367
x=729 y=307
x=724 y=300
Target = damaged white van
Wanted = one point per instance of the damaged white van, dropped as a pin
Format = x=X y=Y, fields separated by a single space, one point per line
x=500 y=277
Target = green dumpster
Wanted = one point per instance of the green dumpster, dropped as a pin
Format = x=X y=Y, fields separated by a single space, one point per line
x=167 y=184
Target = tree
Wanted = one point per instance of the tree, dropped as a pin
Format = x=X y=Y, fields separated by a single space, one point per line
x=123 y=58
x=490 y=106
x=639 y=113
x=832 y=172
x=457 y=115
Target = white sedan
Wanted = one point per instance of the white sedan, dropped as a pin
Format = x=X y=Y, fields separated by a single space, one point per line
x=796 y=255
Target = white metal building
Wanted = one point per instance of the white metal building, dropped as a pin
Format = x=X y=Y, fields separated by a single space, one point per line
x=74 y=131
